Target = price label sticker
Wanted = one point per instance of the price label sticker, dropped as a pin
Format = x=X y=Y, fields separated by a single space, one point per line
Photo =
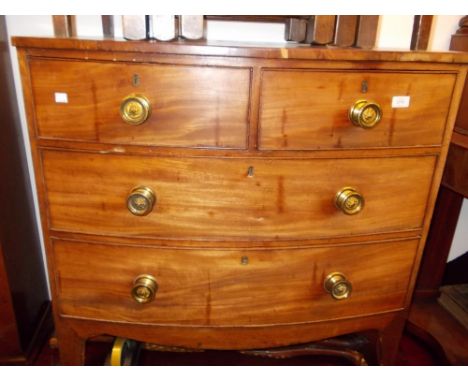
x=399 y=102
x=61 y=97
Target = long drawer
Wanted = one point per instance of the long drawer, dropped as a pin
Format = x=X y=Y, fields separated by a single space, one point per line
x=234 y=198
x=230 y=287
x=308 y=110
x=196 y=106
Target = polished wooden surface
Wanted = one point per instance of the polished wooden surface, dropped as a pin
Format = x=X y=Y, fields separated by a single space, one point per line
x=320 y=29
x=215 y=198
x=431 y=322
x=210 y=287
x=215 y=206
x=191 y=105
x=233 y=49
x=314 y=115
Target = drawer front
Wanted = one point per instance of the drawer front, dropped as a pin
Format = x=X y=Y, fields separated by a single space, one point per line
x=213 y=287
x=234 y=198
x=306 y=110
x=190 y=105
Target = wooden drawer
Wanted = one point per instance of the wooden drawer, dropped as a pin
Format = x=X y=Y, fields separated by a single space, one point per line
x=197 y=106
x=214 y=287
x=308 y=110
x=215 y=198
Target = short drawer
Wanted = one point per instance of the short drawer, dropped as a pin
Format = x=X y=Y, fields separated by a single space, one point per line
x=229 y=287
x=232 y=198
x=196 y=106
x=308 y=110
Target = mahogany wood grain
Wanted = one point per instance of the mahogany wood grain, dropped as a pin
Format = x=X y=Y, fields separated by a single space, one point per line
x=314 y=114
x=82 y=47
x=268 y=336
x=71 y=345
x=191 y=105
x=209 y=287
x=226 y=243
x=367 y=31
x=216 y=198
x=389 y=339
x=252 y=152
x=345 y=33
x=107 y=167
x=320 y=29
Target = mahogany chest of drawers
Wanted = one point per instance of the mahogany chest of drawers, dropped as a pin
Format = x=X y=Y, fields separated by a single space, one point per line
x=227 y=197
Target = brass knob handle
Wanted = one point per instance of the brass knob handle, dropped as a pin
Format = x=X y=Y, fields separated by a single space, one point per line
x=141 y=201
x=144 y=289
x=337 y=285
x=365 y=114
x=349 y=201
x=135 y=109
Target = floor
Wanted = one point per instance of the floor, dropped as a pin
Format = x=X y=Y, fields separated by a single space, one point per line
x=412 y=353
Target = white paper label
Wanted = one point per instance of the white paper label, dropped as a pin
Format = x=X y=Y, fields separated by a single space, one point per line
x=399 y=102
x=61 y=98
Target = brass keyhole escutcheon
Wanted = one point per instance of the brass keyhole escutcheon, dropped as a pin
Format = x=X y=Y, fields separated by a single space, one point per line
x=349 y=200
x=365 y=114
x=337 y=285
x=141 y=201
x=135 y=109
x=144 y=289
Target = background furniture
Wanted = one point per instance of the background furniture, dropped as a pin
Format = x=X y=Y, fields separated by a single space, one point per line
x=25 y=317
x=428 y=319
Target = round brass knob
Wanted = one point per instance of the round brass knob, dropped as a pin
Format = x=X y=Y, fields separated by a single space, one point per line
x=349 y=201
x=144 y=289
x=141 y=201
x=365 y=114
x=337 y=285
x=135 y=109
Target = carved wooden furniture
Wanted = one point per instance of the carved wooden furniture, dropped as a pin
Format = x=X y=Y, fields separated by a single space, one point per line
x=25 y=314
x=234 y=197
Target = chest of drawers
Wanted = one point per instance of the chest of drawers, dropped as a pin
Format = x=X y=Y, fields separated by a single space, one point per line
x=229 y=197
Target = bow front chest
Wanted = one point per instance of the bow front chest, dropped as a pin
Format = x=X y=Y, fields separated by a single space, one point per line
x=234 y=197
